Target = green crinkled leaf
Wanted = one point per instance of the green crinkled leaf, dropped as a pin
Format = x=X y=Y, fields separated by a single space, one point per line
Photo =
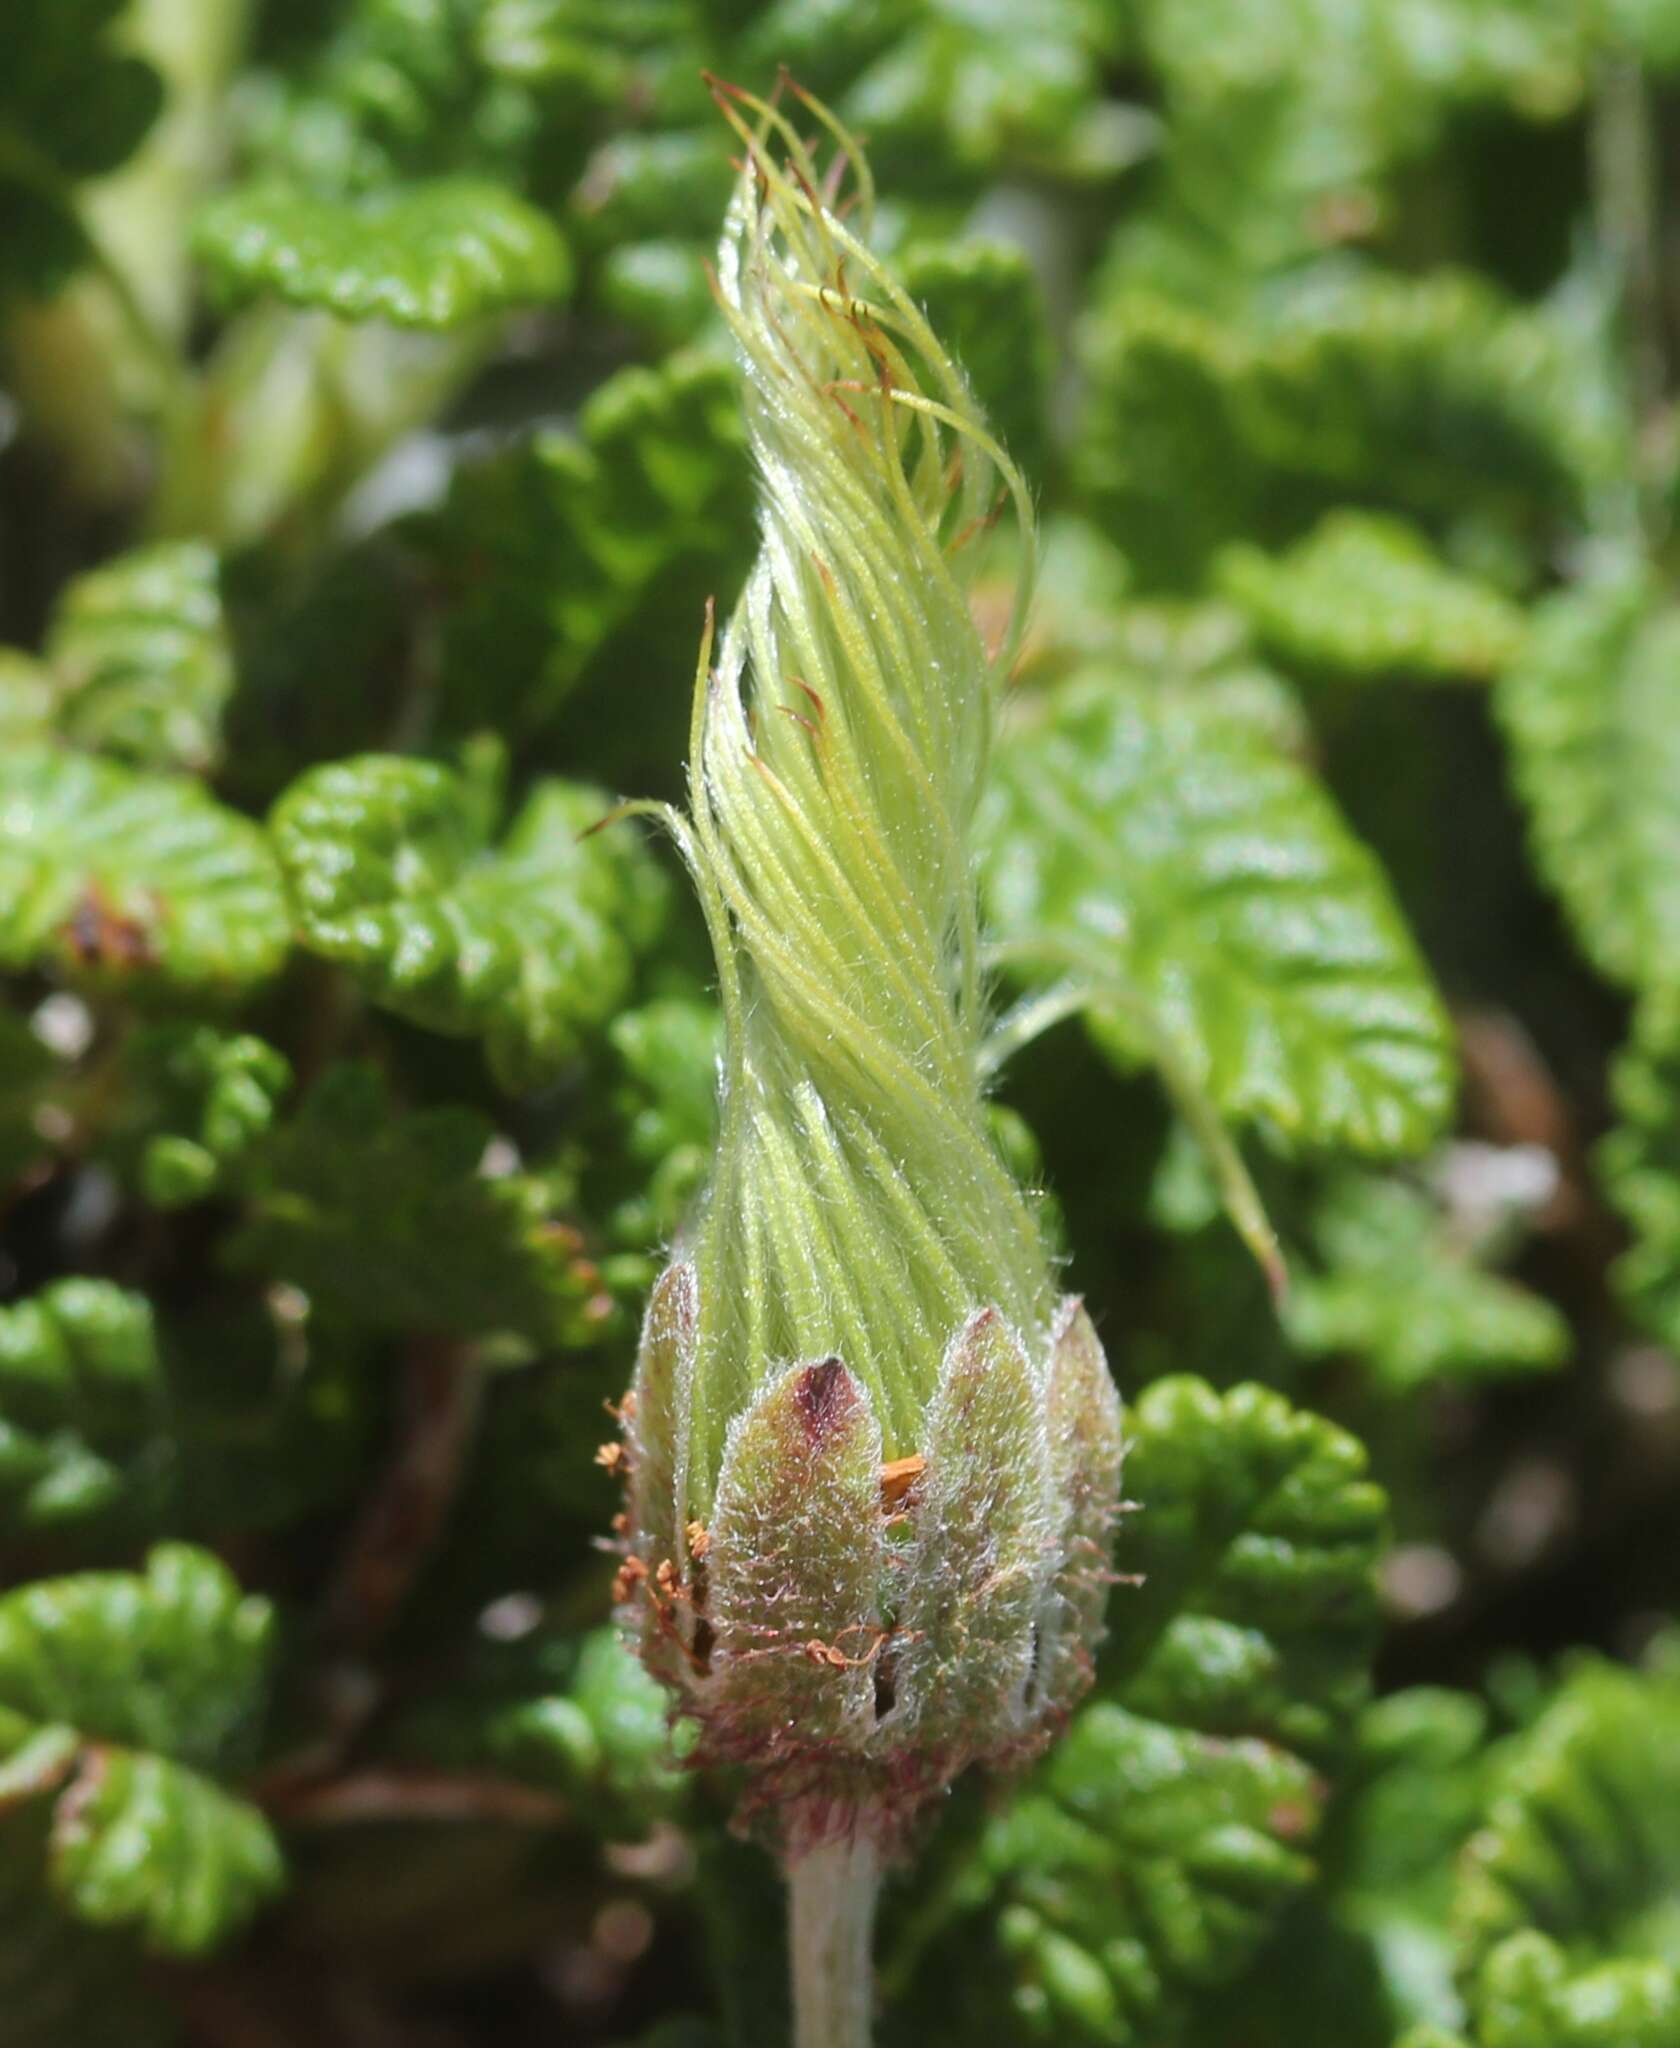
x=1399 y=1288
x=1147 y=1859
x=198 y=1100
x=402 y=90
x=1199 y=885
x=574 y=1716
x=134 y=1694
x=124 y=879
x=141 y=659
x=647 y=207
x=174 y=1661
x=1359 y=50
x=82 y=1424
x=1287 y=118
x=1433 y=396
x=641 y=185
x=1367 y=595
x=975 y=86
x=1639 y=1166
x=530 y=943
x=1258 y=1612
x=1589 y=714
x=1582 y=1839
x=138 y=1840
x=985 y=303
x=73 y=106
x=1416 y=1786
x=387 y=1222
x=547 y=551
x=1529 y=1997
x=664 y=1102
x=434 y=254
x=1154 y=1850
x=1371 y=1943
x=1085 y=620
x=1141 y=1865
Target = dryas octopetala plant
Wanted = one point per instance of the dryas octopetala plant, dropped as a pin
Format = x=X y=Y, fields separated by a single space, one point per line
x=872 y=1458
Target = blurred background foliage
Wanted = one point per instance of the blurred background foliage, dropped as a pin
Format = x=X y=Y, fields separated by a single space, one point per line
x=368 y=450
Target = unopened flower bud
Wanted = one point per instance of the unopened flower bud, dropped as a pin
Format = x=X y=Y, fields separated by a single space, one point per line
x=873 y=1459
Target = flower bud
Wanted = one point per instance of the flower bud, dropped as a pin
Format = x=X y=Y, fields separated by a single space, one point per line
x=873 y=1461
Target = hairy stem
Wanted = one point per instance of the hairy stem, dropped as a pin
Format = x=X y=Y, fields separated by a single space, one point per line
x=831 y=1896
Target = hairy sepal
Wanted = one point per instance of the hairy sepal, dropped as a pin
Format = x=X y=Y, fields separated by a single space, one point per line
x=983 y=1558
x=656 y=1537
x=796 y=1554
x=1086 y=1448
x=855 y=1631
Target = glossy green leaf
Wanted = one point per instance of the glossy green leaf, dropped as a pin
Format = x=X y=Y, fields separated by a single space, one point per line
x=1365 y=595
x=198 y=1100
x=1528 y=1996
x=576 y=1717
x=1589 y=716
x=82 y=1431
x=433 y=255
x=1373 y=1943
x=141 y=657
x=1147 y=1859
x=130 y=880
x=140 y=1840
x=1257 y=1612
x=1201 y=888
x=1582 y=1838
x=403 y=90
x=1415 y=1788
x=1288 y=119
x=977 y=87
x=664 y=1101
x=388 y=1222
x=1639 y=1166
x=1141 y=1866
x=135 y=1693
x=1432 y=396
x=529 y=943
x=985 y=303
x=548 y=551
x=1450 y=50
x=1402 y=1288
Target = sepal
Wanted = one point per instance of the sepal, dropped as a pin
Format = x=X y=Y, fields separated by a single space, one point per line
x=795 y=1557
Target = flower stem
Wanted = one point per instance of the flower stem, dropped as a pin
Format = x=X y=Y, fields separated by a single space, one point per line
x=831 y=1897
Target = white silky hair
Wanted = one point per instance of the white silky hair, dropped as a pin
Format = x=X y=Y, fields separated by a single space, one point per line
x=857 y=1206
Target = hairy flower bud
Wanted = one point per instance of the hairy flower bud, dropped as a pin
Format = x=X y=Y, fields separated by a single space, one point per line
x=873 y=1461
